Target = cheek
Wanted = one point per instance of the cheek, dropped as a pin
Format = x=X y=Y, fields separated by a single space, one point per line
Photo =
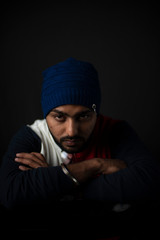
x=56 y=130
x=87 y=129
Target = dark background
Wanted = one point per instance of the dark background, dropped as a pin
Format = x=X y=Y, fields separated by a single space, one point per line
x=120 y=40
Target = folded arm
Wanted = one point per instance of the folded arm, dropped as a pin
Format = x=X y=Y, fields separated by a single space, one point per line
x=138 y=182
x=131 y=174
x=18 y=186
x=82 y=171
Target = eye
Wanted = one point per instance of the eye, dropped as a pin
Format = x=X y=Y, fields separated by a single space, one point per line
x=59 y=118
x=84 y=117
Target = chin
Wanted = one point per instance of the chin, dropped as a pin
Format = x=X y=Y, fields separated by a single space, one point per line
x=72 y=150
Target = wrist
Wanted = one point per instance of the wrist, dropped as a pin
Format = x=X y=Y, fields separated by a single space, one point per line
x=99 y=165
x=83 y=171
x=65 y=170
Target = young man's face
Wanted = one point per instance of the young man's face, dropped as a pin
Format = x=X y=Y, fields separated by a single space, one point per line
x=71 y=126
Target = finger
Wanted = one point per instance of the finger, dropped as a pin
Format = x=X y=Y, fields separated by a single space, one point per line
x=29 y=162
x=24 y=155
x=28 y=156
x=23 y=168
x=38 y=155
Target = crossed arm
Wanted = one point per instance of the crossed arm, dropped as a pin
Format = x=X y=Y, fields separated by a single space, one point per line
x=137 y=181
x=82 y=171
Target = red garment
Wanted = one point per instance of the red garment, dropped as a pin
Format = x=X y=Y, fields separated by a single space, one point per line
x=98 y=146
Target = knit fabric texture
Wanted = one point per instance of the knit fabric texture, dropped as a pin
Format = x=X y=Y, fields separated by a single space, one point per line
x=70 y=82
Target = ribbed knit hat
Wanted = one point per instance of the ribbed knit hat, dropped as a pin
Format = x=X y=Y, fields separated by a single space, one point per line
x=70 y=82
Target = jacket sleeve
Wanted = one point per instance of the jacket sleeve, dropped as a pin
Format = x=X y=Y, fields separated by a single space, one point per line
x=25 y=187
x=140 y=181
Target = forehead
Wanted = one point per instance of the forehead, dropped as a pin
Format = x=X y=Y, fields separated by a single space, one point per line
x=71 y=110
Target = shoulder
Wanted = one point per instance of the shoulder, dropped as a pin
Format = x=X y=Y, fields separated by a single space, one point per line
x=115 y=130
x=25 y=132
x=38 y=124
x=108 y=124
x=24 y=140
x=39 y=127
x=107 y=121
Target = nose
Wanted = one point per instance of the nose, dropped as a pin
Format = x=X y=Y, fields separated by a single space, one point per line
x=71 y=128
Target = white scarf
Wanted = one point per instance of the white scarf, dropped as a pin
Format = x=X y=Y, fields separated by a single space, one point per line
x=50 y=150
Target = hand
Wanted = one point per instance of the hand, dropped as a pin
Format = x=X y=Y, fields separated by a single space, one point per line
x=112 y=165
x=82 y=171
x=32 y=160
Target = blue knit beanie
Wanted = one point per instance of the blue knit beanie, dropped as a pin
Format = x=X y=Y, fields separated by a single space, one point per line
x=70 y=82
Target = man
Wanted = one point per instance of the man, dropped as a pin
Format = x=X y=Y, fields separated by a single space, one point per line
x=75 y=152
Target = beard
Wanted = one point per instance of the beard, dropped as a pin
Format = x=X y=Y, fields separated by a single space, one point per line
x=72 y=144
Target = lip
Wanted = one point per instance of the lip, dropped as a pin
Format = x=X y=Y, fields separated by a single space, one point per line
x=71 y=143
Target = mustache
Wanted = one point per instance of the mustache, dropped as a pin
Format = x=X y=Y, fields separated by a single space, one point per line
x=71 y=138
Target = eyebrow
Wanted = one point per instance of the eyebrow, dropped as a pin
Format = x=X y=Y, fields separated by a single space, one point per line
x=67 y=115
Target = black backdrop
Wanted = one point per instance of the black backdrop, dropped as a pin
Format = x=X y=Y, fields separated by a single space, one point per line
x=121 y=40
